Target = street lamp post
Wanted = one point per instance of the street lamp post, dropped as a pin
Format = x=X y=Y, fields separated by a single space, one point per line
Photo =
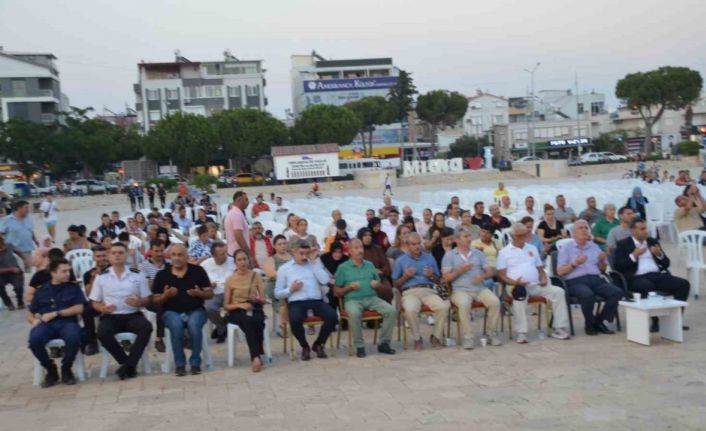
x=530 y=130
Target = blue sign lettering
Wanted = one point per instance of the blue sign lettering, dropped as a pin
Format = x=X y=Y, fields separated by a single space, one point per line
x=349 y=84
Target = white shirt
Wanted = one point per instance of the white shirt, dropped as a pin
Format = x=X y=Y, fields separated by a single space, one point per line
x=111 y=289
x=260 y=251
x=50 y=209
x=452 y=222
x=524 y=213
x=330 y=230
x=389 y=229
x=312 y=275
x=646 y=262
x=422 y=228
x=520 y=262
x=218 y=273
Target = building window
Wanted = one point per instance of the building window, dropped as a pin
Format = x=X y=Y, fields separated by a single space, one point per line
x=213 y=91
x=580 y=108
x=155 y=115
x=520 y=135
x=234 y=91
x=193 y=92
x=252 y=90
x=565 y=131
x=152 y=94
x=172 y=111
x=498 y=119
x=596 y=108
x=19 y=88
x=172 y=94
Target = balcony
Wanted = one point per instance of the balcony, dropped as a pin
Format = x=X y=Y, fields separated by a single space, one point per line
x=45 y=93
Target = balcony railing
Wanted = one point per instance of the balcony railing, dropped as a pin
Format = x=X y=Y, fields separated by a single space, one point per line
x=47 y=118
x=46 y=93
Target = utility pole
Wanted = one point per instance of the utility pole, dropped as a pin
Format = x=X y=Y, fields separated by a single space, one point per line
x=530 y=131
x=578 y=114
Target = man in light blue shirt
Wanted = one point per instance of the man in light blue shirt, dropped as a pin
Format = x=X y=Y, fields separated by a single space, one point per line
x=299 y=281
x=19 y=231
x=415 y=274
x=182 y=220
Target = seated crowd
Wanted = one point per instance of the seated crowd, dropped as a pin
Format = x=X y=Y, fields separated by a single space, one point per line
x=443 y=265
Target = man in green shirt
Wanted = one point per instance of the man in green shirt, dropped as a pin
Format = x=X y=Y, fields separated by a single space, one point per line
x=357 y=282
x=604 y=225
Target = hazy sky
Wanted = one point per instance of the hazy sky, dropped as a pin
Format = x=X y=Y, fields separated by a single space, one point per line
x=456 y=45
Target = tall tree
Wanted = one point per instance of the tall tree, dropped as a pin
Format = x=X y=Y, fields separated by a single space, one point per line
x=185 y=139
x=372 y=111
x=248 y=132
x=325 y=124
x=440 y=109
x=468 y=146
x=401 y=95
x=26 y=143
x=651 y=93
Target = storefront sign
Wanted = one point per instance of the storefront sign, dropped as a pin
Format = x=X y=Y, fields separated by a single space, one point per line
x=569 y=142
x=349 y=84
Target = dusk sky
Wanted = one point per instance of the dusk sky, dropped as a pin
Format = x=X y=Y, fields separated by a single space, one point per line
x=455 y=45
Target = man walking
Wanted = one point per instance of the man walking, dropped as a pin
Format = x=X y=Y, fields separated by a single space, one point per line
x=236 y=226
x=10 y=273
x=19 y=232
x=162 y=193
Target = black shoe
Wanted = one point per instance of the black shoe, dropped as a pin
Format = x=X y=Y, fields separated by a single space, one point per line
x=67 y=377
x=360 y=352
x=655 y=325
x=122 y=372
x=52 y=377
x=600 y=327
x=159 y=346
x=131 y=372
x=90 y=350
x=320 y=352
x=20 y=305
x=386 y=349
x=180 y=371
x=685 y=328
x=306 y=353
x=195 y=371
x=590 y=330
x=214 y=334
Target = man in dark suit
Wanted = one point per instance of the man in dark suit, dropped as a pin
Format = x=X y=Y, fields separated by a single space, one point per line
x=642 y=261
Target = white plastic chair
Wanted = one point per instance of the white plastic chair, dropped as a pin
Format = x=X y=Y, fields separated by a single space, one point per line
x=231 y=341
x=120 y=337
x=265 y=215
x=81 y=252
x=694 y=241
x=81 y=265
x=169 y=353
x=78 y=363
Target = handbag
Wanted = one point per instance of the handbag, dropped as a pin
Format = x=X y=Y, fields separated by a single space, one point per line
x=255 y=305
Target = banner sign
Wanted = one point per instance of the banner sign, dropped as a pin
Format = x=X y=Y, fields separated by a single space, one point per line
x=306 y=166
x=354 y=84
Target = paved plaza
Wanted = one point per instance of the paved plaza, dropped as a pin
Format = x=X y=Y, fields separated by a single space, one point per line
x=598 y=383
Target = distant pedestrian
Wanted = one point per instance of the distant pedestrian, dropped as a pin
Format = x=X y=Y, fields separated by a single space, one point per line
x=140 y=194
x=162 y=192
x=49 y=210
x=131 y=196
x=150 y=195
x=388 y=186
x=19 y=232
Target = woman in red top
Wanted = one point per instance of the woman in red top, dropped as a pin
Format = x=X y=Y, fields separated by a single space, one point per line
x=379 y=237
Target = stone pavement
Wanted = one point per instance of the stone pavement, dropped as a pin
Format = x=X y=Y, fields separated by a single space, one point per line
x=601 y=382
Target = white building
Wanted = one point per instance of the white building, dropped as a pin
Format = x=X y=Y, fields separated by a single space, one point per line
x=316 y=80
x=485 y=111
x=30 y=87
x=197 y=87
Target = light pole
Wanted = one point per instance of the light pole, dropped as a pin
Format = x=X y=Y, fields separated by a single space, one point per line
x=530 y=130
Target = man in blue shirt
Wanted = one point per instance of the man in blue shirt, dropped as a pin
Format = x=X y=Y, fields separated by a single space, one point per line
x=299 y=281
x=52 y=314
x=415 y=274
x=19 y=231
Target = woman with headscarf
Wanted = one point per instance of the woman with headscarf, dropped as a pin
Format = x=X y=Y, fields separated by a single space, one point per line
x=637 y=202
x=379 y=237
x=374 y=254
x=331 y=260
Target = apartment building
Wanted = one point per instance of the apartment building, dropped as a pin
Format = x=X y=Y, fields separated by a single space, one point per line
x=30 y=87
x=485 y=111
x=317 y=80
x=197 y=87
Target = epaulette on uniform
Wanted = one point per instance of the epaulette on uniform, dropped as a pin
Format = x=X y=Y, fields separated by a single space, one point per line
x=135 y=270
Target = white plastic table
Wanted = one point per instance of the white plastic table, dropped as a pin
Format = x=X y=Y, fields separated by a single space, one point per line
x=638 y=313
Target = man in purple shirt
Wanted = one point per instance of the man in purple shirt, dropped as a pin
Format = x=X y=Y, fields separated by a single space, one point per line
x=580 y=262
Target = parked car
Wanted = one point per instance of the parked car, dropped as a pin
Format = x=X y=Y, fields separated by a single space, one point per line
x=109 y=188
x=613 y=157
x=528 y=159
x=593 y=158
x=248 y=179
x=575 y=162
x=87 y=187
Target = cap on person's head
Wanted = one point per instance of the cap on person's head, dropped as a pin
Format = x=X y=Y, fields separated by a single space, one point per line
x=341 y=224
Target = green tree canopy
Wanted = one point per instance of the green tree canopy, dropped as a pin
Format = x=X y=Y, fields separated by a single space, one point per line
x=468 y=146
x=652 y=92
x=325 y=124
x=440 y=109
x=185 y=139
x=612 y=141
x=401 y=95
x=372 y=111
x=248 y=132
x=25 y=143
